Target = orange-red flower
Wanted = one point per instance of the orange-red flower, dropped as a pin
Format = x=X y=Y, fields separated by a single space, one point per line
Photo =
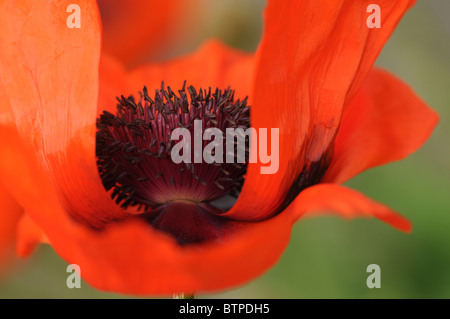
x=311 y=77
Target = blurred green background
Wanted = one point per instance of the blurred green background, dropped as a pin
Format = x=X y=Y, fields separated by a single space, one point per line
x=327 y=257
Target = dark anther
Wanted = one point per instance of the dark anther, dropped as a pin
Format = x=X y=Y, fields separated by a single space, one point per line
x=134 y=146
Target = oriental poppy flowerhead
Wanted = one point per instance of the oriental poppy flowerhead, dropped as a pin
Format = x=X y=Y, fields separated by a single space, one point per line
x=86 y=143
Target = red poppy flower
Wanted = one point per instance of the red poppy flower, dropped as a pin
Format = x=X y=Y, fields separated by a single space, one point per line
x=311 y=77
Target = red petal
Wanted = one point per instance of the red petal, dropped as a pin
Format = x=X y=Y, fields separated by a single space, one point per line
x=221 y=66
x=385 y=122
x=52 y=87
x=113 y=82
x=135 y=30
x=212 y=65
x=10 y=212
x=332 y=198
x=6 y=115
x=30 y=235
x=312 y=59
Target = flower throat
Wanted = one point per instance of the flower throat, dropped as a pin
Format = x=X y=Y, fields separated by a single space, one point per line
x=134 y=147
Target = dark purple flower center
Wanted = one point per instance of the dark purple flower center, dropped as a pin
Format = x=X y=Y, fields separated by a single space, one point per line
x=135 y=164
